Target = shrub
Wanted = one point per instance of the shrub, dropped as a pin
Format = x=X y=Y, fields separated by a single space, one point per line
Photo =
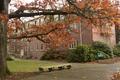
x=73 y=57
x=92 y=54
x=101 y=55
x=81 y=54
x=49 y=55
x=53 y=54
x=82 y=51
x=100 y=46
x=10 y=58
x=116 y=50
x=118 y=45
x=85 y=53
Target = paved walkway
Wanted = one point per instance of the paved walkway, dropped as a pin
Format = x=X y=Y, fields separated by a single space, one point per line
x=81 y=72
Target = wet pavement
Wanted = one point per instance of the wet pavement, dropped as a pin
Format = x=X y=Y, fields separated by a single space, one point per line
x=80 y=72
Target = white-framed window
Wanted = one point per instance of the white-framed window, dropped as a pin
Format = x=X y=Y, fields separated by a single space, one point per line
x=74 y=44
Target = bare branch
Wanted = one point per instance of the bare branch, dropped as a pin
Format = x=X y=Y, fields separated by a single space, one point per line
x=33 y=35
x=42 y=39
x=55 y=12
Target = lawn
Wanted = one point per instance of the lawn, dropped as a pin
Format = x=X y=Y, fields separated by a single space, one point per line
x=28 y=65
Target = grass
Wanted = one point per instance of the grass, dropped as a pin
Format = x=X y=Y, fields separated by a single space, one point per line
x=28 y=65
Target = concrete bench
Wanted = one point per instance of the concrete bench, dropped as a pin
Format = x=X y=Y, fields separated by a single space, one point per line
x=55 y=68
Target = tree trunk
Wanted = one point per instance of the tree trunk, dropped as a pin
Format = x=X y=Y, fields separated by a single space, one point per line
x=3 y=50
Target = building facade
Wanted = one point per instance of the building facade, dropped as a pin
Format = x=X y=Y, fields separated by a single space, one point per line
x=88 y=35
x=35 y=48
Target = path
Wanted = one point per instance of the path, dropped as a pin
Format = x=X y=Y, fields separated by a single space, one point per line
x=80 y=72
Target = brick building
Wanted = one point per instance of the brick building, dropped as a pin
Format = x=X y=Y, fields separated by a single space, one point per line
x=87 y=35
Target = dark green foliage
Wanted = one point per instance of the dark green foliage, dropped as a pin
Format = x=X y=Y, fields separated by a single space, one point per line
x=53 y=54
x=118 y=45
x=101 y=55
x=48 y=55
x=100 y=46
x=116 y=50
x=92 y=54
x=73 y=57
x=84 y=53
x=10 y=58
x=81 y=54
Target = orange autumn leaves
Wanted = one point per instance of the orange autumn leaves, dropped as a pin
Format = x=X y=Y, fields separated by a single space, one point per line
x=3 y=18
x=14 y=25
x=56 y=32
x=96 y=12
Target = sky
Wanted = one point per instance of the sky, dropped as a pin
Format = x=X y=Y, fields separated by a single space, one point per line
x=26 y=1
x=13 y=8
x=29 y=1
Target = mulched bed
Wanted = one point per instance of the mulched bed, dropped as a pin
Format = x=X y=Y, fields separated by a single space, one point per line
x=109 y=61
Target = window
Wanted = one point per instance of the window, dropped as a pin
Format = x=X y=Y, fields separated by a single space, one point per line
x=28 y=24
x=74 y=44
x=35 y=22
x=42 y=46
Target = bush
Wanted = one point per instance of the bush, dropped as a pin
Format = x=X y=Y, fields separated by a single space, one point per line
x=85 y=53
x=100 y=46
x=10 y=58
x=101 y=55
x=118 y=45
x=72 y=56
x=92 y=54
x=53 y=54
x=81 y=54
x=116 y=50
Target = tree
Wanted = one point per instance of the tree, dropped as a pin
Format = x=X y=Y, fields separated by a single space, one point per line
x=3 y=37
x=92 y=12
x=96 y=13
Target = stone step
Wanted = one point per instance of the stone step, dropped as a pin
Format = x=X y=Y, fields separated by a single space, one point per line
x=55 y=68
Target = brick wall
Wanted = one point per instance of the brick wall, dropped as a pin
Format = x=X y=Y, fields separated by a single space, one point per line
x=110 y=39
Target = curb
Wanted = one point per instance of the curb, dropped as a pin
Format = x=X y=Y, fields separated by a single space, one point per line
x=55 y=68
